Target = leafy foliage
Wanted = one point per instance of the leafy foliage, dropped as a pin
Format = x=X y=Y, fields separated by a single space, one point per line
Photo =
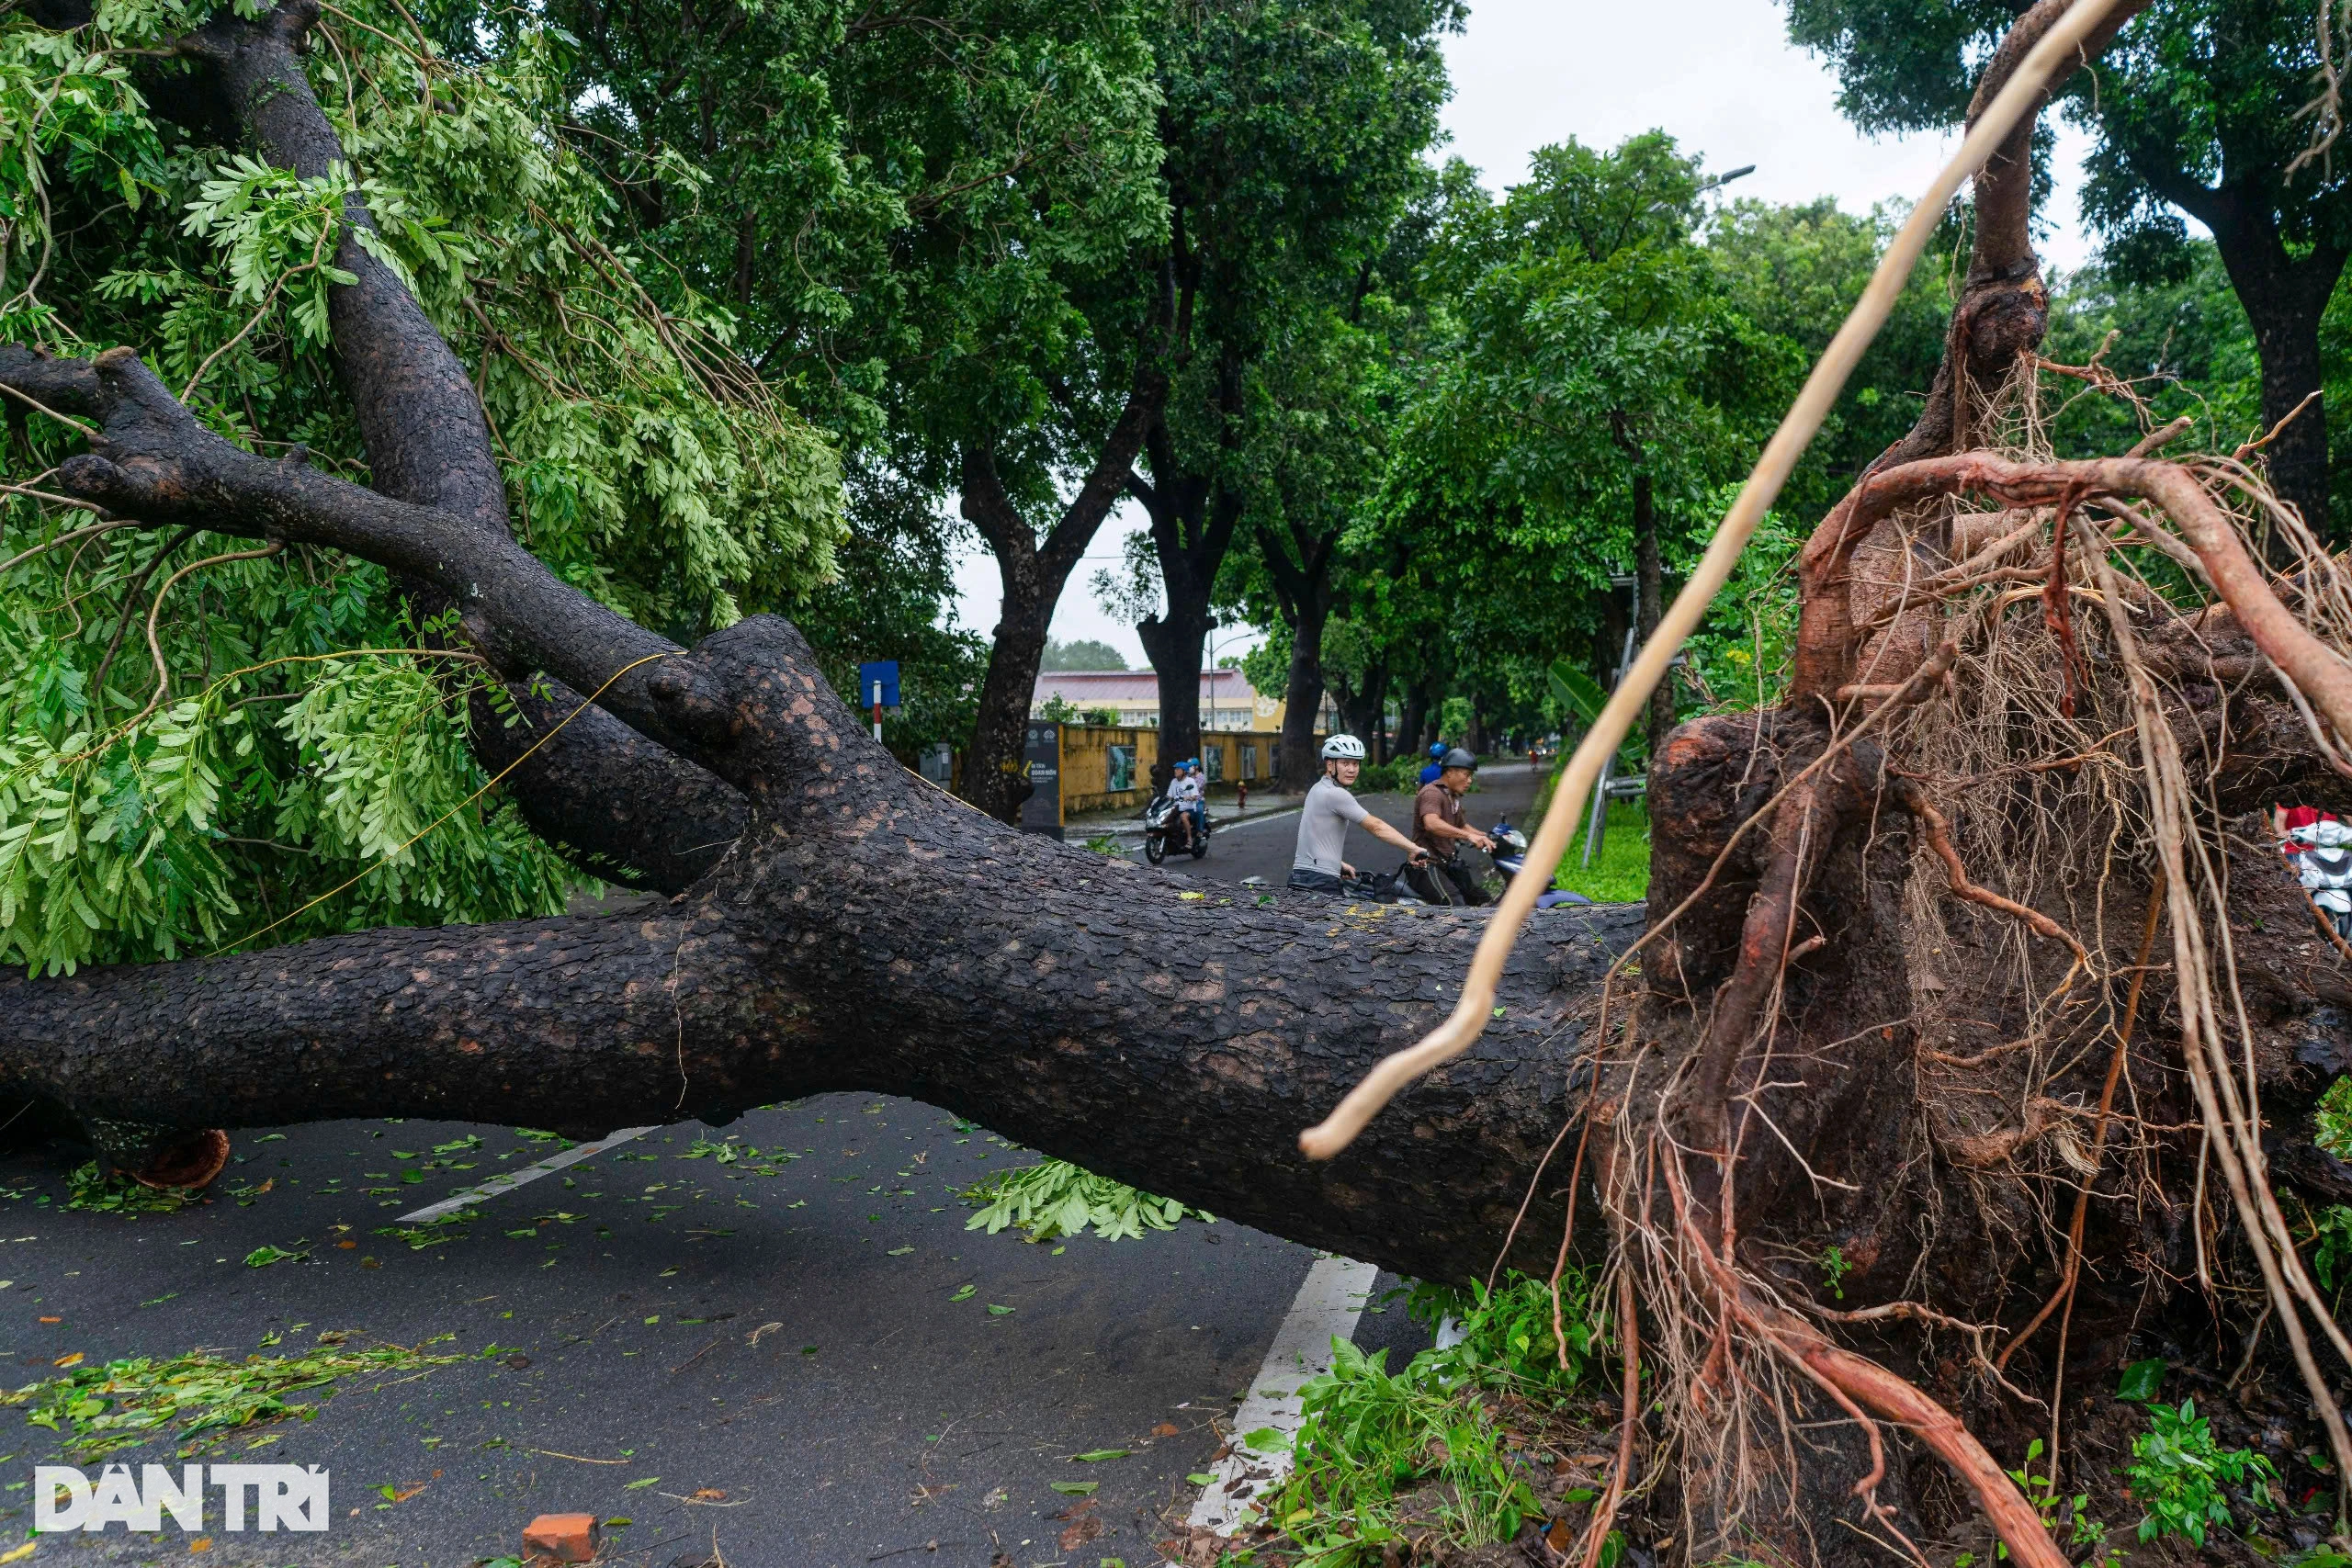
x=1055 y=1198
x=150 y=807
x=2066 y=1518
x=2178 y=1474
x=1369 y=1439
x=200 y=1397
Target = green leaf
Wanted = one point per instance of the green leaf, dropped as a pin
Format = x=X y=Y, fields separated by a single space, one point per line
x=634 y=1486
x=1075 y=1488
x=965 y=1293
x=1577 y=692
x=1201 y=1478
x=2141 y=1380
x=1096 y=1456
x=1265 y=1439
x=263 y=1257
x=996 y=1311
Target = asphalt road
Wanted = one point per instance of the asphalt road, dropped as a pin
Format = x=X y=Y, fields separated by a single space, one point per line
x=799 y=1358
x=1262 y=846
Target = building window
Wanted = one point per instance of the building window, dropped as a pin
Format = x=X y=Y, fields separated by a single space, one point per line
x=1213 y=759
x=1122 y=767
x=1249 y=760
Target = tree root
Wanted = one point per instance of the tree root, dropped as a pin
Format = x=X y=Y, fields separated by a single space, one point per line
x=1854 y=1381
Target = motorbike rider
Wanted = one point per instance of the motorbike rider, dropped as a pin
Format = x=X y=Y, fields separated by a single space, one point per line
x=1185 y=788
x=1440 y=828
x=1317 y=867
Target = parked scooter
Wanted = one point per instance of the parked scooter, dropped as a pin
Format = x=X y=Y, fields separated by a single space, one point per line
x=2322 y=856
x=1161 y=830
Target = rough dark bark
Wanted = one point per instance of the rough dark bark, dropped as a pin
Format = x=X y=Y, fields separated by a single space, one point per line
x=1412 y=708
x=1092 y=1009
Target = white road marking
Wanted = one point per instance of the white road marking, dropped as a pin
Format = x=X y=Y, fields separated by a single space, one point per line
x=1266 y=817
x=499 y=1185
x=1327 y=1308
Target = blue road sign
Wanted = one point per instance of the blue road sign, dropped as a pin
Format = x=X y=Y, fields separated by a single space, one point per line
x=877 y=683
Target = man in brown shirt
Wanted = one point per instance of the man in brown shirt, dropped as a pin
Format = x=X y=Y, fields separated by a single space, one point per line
x=1440 y=828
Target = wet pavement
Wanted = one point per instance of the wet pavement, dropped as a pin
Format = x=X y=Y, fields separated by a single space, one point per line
x=771 y=1344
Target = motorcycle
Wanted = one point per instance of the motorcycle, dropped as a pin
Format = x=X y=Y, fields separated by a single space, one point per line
x=2323 y=861
x=1160 y=830
x=1511 y=858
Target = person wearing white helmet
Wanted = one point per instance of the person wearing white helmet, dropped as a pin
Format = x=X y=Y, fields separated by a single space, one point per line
x=1317 y=867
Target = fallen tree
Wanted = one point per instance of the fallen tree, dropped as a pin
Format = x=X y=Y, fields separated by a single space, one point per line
x=1898 y=1002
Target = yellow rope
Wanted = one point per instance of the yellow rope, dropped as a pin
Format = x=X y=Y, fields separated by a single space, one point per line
x=488 y=785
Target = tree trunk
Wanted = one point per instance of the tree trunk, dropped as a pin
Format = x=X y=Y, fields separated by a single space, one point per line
x=1189 y=545
x=1410 y=705
x=996 y=776
x=1649 y=591
x=1296 y=764
x=2284 y=298
x=1172 y=1040
x=1364 y=707
x=1173 y=643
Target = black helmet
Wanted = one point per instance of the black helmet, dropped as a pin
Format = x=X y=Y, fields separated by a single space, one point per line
x=1458 y=758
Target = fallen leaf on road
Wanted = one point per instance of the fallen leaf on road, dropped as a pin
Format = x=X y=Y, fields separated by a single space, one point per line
x=709 y=1493
x=72 y=1360
x=1080 y=1530
x=633 y=1485
x=19 y=1554
x=1075 y=1488
x=763 y=1329
x=1096 y=1456
x=964 y=1294
x=1165 y=1430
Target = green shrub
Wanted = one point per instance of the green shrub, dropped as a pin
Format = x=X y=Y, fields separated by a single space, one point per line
x=1368 y=1436
x=2177 y=1473
x=1398 y=775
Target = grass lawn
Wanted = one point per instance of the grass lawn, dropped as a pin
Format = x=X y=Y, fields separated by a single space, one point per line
x=1620 y=874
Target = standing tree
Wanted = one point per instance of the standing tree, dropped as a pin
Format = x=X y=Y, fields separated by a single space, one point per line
x=1591 y=388
x=2192 y=108
x=942 y=230
x=1293 y=136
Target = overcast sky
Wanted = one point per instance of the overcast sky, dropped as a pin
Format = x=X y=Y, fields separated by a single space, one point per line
x=1719 y=74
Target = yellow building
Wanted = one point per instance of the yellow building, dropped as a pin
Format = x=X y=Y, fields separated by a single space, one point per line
x=1228 y=700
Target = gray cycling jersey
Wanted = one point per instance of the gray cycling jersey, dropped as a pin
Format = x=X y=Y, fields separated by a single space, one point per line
x=1323 y=827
